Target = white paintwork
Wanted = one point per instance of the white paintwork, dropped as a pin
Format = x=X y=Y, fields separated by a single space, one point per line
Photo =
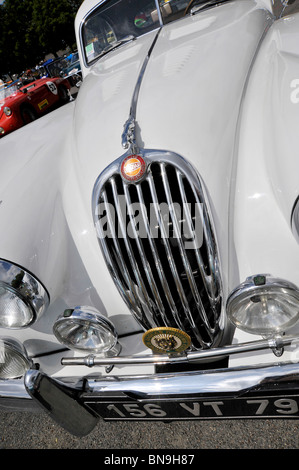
x=266 y=180
x=196 y=100
x=203 y=128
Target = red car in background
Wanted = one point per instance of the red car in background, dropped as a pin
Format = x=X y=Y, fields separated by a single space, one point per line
x=20 y=105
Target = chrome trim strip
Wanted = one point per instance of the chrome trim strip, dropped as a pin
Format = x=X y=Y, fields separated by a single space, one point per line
x=295 y=219
x=159 y=12
x=80 y=32
x=128 y=135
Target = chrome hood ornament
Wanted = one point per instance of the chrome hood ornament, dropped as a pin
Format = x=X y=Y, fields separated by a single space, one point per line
x=128 y=137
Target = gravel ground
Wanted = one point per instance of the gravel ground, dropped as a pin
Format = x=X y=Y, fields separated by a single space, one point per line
x=38 y=431
x=23 y=430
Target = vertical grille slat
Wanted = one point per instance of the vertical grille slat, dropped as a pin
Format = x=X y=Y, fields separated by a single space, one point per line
x=146 y=265
x=163 y=281
x=158 y=265
x=173 y=267
x=213 y=281
x=142 y=290
x=209 y=287
x=116 y=262
x=185 y=260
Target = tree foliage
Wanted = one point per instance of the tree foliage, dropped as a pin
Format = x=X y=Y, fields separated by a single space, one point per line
x=30 y=29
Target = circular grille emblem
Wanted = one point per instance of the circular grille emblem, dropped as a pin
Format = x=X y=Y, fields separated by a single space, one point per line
x=166 y=340
x=133 y=168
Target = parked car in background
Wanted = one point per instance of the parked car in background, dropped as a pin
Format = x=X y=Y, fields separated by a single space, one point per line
x=149 y=244
x=21 y=104
x=68 y=67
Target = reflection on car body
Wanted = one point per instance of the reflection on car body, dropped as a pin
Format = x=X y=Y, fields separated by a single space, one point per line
x=161 y=225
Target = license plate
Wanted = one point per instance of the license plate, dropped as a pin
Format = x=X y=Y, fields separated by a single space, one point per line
x=43 y=104
x=286 y=406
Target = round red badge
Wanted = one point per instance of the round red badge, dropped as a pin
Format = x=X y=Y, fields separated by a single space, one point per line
x=133 y=168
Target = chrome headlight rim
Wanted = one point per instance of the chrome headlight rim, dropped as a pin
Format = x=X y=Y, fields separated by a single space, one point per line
x=81 y=315
x=257 y=286
x=26 y=287
x=12 y=349
x=7 y=111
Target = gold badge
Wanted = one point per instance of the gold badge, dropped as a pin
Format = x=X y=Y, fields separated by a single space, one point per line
x=133 y=168
x=165 y=340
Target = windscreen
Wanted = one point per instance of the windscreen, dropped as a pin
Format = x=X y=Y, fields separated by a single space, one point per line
x=117 y=21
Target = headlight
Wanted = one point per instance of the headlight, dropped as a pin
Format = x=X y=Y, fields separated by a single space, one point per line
x=14 y=361
x=85 y=329
x=2 y=131
x=7 y=111
x=264 y=305
x=22 y=298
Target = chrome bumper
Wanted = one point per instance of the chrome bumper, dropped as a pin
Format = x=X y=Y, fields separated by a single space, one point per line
x=68 y=404
x=231 y=382
x=76 y=403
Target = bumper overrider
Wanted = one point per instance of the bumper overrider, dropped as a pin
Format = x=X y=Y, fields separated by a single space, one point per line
x=238 y=392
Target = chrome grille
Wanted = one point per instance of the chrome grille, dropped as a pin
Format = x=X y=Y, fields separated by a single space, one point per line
x=162 y=282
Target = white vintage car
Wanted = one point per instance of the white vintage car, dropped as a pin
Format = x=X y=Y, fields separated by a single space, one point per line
x=149 y=229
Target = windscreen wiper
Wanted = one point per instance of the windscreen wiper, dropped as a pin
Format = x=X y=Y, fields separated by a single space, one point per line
x=194 y=6
x=116 y=44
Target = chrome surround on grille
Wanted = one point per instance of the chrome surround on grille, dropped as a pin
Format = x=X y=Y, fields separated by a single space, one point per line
x=143 y=295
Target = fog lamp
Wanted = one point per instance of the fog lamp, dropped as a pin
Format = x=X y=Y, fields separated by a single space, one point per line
x=22 y=297
x=264 y=305
x=2 y=131
x=14 y=361
x=86 y=329
x=7 y=111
